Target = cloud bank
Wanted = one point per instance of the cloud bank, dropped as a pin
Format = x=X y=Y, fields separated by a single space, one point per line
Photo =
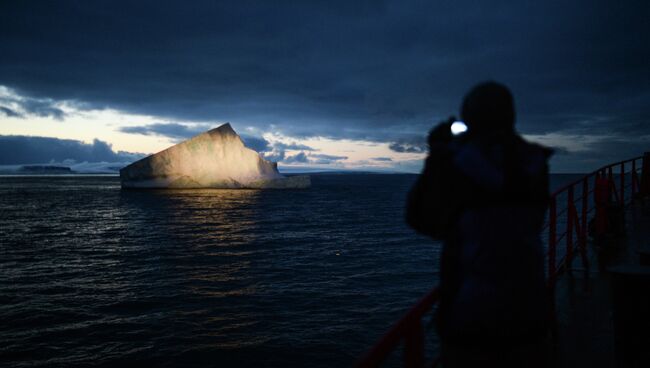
x=380 y=71
x=17 y=150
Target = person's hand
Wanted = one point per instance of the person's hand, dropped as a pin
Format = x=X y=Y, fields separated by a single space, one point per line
x=441 y=133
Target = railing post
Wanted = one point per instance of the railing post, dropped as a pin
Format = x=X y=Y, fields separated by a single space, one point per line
x=610 y=174
x=552 y=222
x=583 y=225
x=602 y=193
x=612 y=184
x=569 y=229
x=414 y=346
x=622 y=184
x=644 y=188
x=632 y=177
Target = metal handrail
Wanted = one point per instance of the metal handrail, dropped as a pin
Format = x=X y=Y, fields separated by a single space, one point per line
x=409 y=328
x=576 y=223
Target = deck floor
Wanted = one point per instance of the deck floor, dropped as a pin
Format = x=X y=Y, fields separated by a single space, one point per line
x=585 y=330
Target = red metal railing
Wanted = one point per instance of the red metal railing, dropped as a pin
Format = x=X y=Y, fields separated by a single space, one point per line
x=572 y=221
x=409 y=329
x=569 y=221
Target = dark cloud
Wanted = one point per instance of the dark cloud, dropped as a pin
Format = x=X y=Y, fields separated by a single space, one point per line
x=171 y=130
x=277 y=151
x=409 y=145
x=374 y=70
x=382 y=159
x=9 y=112
x=610 y=149
x=16 y=150
x=322 y=159
x=275 y=156
x=28 y=106
x=292 y=146
x=42 y=108
x=406 y=147
x=258 y=144
x=300 y=157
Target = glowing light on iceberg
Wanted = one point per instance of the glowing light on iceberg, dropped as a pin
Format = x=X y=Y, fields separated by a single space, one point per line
x=217 y=158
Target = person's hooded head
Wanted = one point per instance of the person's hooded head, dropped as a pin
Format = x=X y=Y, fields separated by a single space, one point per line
x=489 y=108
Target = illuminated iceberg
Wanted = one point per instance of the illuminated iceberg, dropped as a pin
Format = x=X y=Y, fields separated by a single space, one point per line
x=217 y=158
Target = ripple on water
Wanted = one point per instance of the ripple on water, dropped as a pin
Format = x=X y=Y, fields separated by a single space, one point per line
x=93 y=275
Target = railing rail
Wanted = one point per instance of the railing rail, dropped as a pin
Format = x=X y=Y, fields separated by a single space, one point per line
x=602 y=184
x=571 y=221
x=409 y=329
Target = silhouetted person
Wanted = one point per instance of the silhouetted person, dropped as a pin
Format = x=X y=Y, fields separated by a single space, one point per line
x=484 y=193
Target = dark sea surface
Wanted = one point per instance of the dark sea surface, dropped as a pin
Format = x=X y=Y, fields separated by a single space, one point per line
x=92 y=275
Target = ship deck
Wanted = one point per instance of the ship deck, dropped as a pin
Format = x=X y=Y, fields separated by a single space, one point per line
x=587 y=329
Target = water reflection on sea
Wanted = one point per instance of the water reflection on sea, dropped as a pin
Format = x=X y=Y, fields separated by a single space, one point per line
x=94 y=275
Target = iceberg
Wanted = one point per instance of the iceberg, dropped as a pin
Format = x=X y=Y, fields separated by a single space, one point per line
x=217 y=158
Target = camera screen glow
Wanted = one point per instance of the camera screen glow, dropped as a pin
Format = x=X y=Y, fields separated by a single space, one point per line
x=458 y=127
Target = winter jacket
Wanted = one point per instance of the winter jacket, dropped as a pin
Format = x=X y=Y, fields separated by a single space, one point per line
x=486 y=198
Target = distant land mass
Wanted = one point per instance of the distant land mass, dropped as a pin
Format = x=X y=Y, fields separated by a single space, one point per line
x=44 y=170
x=217 y=158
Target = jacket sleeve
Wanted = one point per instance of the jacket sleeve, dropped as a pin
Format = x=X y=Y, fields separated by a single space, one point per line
x=429 y=206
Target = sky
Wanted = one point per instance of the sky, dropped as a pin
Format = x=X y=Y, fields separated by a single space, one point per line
x=352 y=85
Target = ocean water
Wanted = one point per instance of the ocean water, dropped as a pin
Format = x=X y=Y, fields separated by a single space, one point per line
x=92 y=275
